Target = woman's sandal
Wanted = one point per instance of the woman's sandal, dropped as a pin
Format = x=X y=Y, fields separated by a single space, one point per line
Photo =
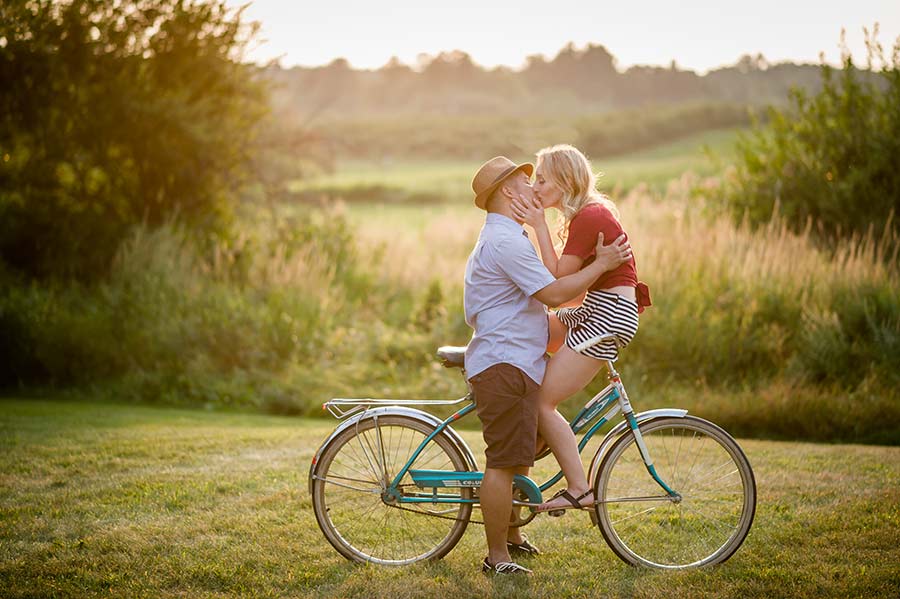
x=575 y=501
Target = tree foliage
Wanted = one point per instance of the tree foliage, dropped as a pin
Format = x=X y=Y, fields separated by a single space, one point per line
x=114 y=113
x=575 y=82
x=830 y=159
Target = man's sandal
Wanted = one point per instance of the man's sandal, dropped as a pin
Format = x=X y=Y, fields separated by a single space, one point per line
x=503 y=568
x=523 y=548
x=574 y=501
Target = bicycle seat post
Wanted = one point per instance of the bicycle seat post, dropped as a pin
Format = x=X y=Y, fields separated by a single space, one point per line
x=616 y=380
x=613 y=375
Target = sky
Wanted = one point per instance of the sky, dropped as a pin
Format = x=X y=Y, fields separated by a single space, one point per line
x=697 y=34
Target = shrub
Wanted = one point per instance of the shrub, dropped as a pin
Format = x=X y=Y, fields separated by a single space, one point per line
x=830 y=159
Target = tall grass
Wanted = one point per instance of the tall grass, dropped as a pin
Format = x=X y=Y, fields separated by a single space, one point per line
x=280 y=318
x=758 y=329
x=743 y=303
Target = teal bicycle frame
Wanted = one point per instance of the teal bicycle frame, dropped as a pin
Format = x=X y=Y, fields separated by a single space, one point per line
x=605 y=404
x=390 y=459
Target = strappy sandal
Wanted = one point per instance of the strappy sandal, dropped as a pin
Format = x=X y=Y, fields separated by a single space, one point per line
x=574 y=501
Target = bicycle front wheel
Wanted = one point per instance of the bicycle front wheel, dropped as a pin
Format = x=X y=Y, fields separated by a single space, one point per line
x=705 y=466
x=357 y=513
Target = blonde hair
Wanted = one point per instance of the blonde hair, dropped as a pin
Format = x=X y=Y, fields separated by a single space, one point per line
x=569 y=169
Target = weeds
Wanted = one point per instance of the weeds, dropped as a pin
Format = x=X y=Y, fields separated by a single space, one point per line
x=316 y=304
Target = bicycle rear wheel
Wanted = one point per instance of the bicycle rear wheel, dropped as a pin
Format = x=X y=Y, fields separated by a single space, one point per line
x=356 y=514
x=702 y=463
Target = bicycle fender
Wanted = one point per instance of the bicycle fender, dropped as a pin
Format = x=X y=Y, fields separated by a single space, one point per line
x=413 y=413
x=617 y=431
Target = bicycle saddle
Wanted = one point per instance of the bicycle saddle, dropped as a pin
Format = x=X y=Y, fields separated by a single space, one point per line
x=452 y=356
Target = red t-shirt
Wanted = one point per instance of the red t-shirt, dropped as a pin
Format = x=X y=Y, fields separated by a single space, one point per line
x=583 y=230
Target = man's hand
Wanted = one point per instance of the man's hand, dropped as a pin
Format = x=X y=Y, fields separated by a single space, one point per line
x=614 y=254
x=567 y=287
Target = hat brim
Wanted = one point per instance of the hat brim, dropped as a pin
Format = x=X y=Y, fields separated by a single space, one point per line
x=482 y=198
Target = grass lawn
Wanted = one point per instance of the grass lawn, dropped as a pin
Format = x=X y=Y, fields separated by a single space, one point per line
x=108 y=500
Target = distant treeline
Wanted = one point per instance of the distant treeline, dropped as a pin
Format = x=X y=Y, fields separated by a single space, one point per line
x=576 y=81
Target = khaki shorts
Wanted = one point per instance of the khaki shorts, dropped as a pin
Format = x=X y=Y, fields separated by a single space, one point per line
x=506 y=401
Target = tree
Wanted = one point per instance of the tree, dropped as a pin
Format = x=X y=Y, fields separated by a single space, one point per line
x=830 y=158
x=114 y=113
x=590 y=72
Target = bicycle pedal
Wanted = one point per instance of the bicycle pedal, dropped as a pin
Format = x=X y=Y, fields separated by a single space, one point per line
x=556 y=513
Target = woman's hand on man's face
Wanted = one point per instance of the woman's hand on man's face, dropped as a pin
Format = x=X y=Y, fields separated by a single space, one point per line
x=529 y=211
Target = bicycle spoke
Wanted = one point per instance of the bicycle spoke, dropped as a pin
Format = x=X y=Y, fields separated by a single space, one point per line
x=371 y=460
x=675 y=479
x=332 y=480
x=363 y=518
x=640 y=513
x=710 y=520
x=362 y=523
x=720 y=478
x=368 y=462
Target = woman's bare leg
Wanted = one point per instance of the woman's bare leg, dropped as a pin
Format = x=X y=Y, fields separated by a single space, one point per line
x=567 y=373
x=557 y=339
x=557 y=333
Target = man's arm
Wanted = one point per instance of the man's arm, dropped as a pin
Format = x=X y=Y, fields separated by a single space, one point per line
x=565 y=288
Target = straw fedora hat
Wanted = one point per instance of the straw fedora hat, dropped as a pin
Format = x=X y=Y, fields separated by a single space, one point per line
x=491 y=175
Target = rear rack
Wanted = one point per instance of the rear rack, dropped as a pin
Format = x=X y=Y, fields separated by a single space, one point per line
x=340 y=407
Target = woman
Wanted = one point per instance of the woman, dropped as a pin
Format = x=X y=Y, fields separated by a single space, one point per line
x=564 y=180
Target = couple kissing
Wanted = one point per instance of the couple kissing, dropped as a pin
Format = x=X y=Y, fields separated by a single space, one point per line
x=592 y=281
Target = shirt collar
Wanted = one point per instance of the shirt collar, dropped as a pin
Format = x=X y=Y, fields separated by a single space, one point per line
x=494 y=218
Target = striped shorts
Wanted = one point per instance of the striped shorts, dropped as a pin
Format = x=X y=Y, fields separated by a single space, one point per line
x=600 y=313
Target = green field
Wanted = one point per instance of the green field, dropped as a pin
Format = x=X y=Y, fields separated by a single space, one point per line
x=657 y=166
x=431 y=181
x=105 y=500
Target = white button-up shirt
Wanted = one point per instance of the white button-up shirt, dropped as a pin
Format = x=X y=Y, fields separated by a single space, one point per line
x=510 y=326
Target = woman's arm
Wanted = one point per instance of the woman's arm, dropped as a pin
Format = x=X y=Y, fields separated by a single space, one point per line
x=531 y=213
x=607 y=257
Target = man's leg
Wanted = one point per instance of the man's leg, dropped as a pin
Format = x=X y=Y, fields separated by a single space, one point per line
x=507 y=406
x=514 y=534
x=496 y=497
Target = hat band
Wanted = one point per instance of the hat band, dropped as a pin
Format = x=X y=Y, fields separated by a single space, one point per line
x=503 y=175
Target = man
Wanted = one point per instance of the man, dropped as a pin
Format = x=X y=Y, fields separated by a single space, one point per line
x=506 y=289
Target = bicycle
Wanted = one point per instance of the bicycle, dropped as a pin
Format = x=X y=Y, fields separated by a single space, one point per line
x=395 y=485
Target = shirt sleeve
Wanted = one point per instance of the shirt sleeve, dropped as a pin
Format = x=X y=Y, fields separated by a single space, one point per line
x=583 y=230
x=521 y=264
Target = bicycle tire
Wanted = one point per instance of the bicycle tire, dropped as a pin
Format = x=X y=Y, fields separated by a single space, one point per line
x=715 y=481
x=351 y=511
